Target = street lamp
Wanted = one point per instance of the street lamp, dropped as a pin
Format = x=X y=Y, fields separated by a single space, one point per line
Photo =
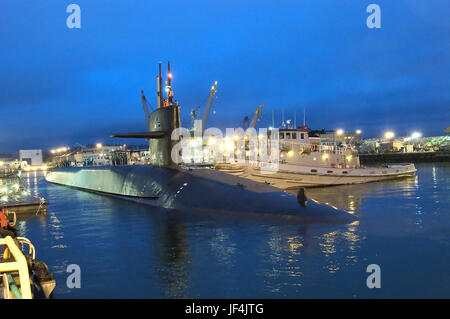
x=99 y=145
x=340 y=132
x=416 y=135
x=389 y=135
x=358 y=131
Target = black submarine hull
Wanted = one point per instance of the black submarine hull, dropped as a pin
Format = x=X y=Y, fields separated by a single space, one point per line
x=196 y=190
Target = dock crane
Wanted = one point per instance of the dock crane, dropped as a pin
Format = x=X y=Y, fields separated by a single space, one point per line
x=208 y=106
x=145 y=108
x=245 y=122
x=194 y=116
x=258 y=112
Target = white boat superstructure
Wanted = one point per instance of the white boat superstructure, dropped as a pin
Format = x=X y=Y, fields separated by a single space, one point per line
x=308 y=161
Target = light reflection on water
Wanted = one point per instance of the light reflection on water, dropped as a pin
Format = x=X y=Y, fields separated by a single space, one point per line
x=128 y=250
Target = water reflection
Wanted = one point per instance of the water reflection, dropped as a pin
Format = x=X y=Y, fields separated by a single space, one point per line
x=350 y=197
x=171 y=251
x=222 y=247
x=178 y=255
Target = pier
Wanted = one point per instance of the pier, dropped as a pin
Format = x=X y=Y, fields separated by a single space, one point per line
x=410 y=157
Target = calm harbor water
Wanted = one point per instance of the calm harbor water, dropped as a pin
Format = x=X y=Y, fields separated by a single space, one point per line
x=126 y=250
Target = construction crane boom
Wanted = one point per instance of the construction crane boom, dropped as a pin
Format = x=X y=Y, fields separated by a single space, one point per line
x=255 y=117
x=145 y=107
x=208 y=106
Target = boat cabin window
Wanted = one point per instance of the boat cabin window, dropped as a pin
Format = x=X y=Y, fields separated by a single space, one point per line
x=313 y=171
x=329 y=171
x=344 y=172
x=288 y=135
x=282 y=136
x=302 y=136
x=294 y=136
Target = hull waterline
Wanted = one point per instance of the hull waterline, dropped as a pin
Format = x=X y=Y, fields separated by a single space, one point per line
x=202 y=190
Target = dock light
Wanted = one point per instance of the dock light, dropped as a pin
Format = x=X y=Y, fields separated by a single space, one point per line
x=53 y=151
x=349 y=158
x=290 y=153
x=1 y=163
x=99 y=145
x=229 y=145
x=358 y=131
x=325 y=156
x=416 y=135
x=340 y=132
x=44 y=167
x=389 y=134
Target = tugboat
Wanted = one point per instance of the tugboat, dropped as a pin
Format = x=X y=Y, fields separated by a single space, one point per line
x=22 y=276
x=167 y=184
x=306 y=162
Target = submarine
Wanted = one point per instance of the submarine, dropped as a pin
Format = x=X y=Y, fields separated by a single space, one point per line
x=166 y=184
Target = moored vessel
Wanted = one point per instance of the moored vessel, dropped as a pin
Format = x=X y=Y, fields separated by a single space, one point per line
x=167 y=184
x=306 y=161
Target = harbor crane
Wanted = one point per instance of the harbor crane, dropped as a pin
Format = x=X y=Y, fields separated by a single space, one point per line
x=208 y=106
x=145 y=108
x=256 y=116
x=194 y=116
x=245 y=122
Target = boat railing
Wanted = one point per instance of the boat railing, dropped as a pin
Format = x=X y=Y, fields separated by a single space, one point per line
x=332 y=148
x=26 y=242
x=18 y=265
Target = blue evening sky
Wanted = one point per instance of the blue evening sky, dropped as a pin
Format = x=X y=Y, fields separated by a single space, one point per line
x=61 y=86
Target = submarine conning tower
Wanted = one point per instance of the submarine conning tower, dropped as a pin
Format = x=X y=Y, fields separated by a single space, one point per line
x=161 y=123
